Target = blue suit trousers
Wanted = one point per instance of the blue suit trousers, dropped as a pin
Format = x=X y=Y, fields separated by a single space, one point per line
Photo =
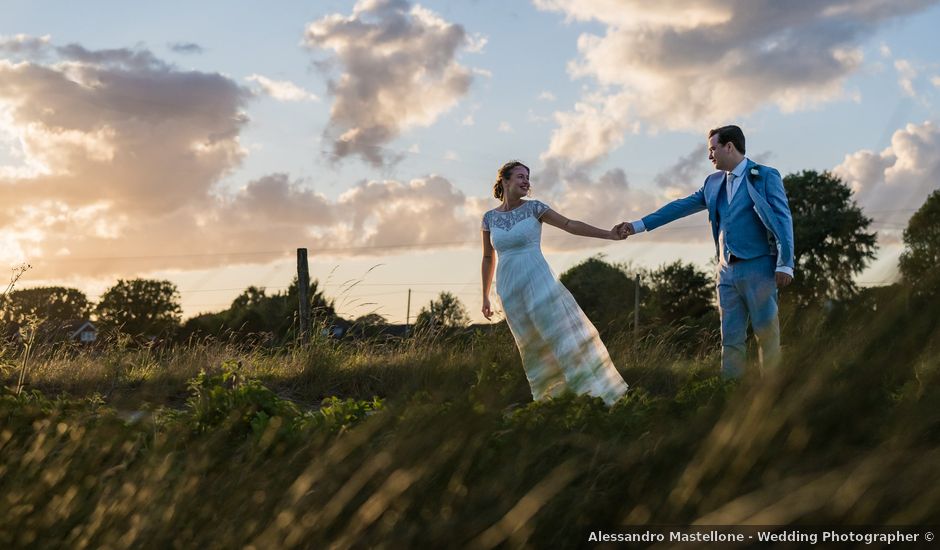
x=747 y=292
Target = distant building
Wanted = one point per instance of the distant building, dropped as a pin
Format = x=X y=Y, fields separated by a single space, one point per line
x=337 y=329
x=333 y=332
x=85 y=333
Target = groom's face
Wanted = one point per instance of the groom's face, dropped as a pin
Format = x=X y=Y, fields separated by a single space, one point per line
x=720 y=155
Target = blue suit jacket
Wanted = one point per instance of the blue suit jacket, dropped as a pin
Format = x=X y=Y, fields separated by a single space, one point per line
x=770 y=203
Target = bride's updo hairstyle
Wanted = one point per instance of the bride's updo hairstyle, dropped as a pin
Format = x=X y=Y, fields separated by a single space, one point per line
x=504 y=172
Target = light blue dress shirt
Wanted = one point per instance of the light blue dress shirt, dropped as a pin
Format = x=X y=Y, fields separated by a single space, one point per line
x=735 y=177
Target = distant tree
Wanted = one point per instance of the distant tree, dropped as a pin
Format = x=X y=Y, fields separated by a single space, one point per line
x=679 y=291
x=921 y=257
x=141 y=307
x=254 y=311
x=605 y=292
x=55 y=306
x=251 y=297
x=444 y=313
x=370 y=324
x=371 y=320
x=202 y=325
x=322 y=309
x=832 y=243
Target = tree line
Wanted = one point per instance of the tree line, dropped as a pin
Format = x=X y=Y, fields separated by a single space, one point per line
x=834 y=244
x=151 y=309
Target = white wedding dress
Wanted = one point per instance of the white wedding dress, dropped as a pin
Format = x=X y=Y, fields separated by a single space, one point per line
x=561 y=350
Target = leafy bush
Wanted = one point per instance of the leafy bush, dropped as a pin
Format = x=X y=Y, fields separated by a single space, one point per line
x=229 y=400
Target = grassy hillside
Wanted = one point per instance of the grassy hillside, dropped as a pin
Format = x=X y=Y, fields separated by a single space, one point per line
x=437 y=443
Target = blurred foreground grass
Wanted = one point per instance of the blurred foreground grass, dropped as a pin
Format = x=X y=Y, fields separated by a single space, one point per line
x=436 y=444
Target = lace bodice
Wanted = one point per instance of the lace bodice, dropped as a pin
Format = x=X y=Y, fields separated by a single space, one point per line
x=506 y=220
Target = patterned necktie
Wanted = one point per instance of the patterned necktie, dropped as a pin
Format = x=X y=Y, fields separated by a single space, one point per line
x=729 y=178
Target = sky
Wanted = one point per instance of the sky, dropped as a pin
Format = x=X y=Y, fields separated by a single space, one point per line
x=204 y=142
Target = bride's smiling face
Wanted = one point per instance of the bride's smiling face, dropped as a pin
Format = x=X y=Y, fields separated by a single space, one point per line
x=517 y=185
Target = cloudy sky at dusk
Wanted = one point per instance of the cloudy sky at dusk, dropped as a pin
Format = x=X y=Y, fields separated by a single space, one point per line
x=204 y=142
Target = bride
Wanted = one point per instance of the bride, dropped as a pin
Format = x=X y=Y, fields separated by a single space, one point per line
x=561 y=350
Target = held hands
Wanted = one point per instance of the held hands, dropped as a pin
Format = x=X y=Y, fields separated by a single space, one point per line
x=624 y=230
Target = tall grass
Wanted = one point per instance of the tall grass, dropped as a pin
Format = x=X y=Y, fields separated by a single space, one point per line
x=251 y=453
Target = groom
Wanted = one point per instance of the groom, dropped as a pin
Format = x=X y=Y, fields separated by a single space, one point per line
x=753 y=233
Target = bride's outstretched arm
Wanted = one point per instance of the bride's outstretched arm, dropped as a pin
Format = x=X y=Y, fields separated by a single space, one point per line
x=576 y=227
x=487 y=271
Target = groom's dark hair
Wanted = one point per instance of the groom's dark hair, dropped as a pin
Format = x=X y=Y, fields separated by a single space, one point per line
x=729 y=133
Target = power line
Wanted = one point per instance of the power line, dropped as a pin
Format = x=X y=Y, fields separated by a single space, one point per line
x=160 y=256
x=230 y=289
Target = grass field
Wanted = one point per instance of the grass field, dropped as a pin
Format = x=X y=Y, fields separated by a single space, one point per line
x=436 y=443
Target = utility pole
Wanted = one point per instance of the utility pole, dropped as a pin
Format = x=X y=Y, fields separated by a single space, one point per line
x=303 y=289
x=408 y=314
x=636 y=310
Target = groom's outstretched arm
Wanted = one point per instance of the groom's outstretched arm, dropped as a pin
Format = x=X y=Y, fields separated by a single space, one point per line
x=671 y=212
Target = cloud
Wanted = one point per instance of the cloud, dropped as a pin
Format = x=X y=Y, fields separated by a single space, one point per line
x=398 y=71
x=25 y=45
x=282 y=90
x=895 y=182
x=425 y=212
x=546 y=96
x=128 y=58
x=119 y=127
x=121 y=157
x=104 y=141
x=686 y=174
x=595 y=127
x=906 y=75
x=603 y=202
x=266 y=215
x=120 y=162
x=186 y=48
x=537 y=118
x=619 y=13
x=695 y=64
x=476 y=43
x=935 y=81
x=505 y=127
x=274 y=199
